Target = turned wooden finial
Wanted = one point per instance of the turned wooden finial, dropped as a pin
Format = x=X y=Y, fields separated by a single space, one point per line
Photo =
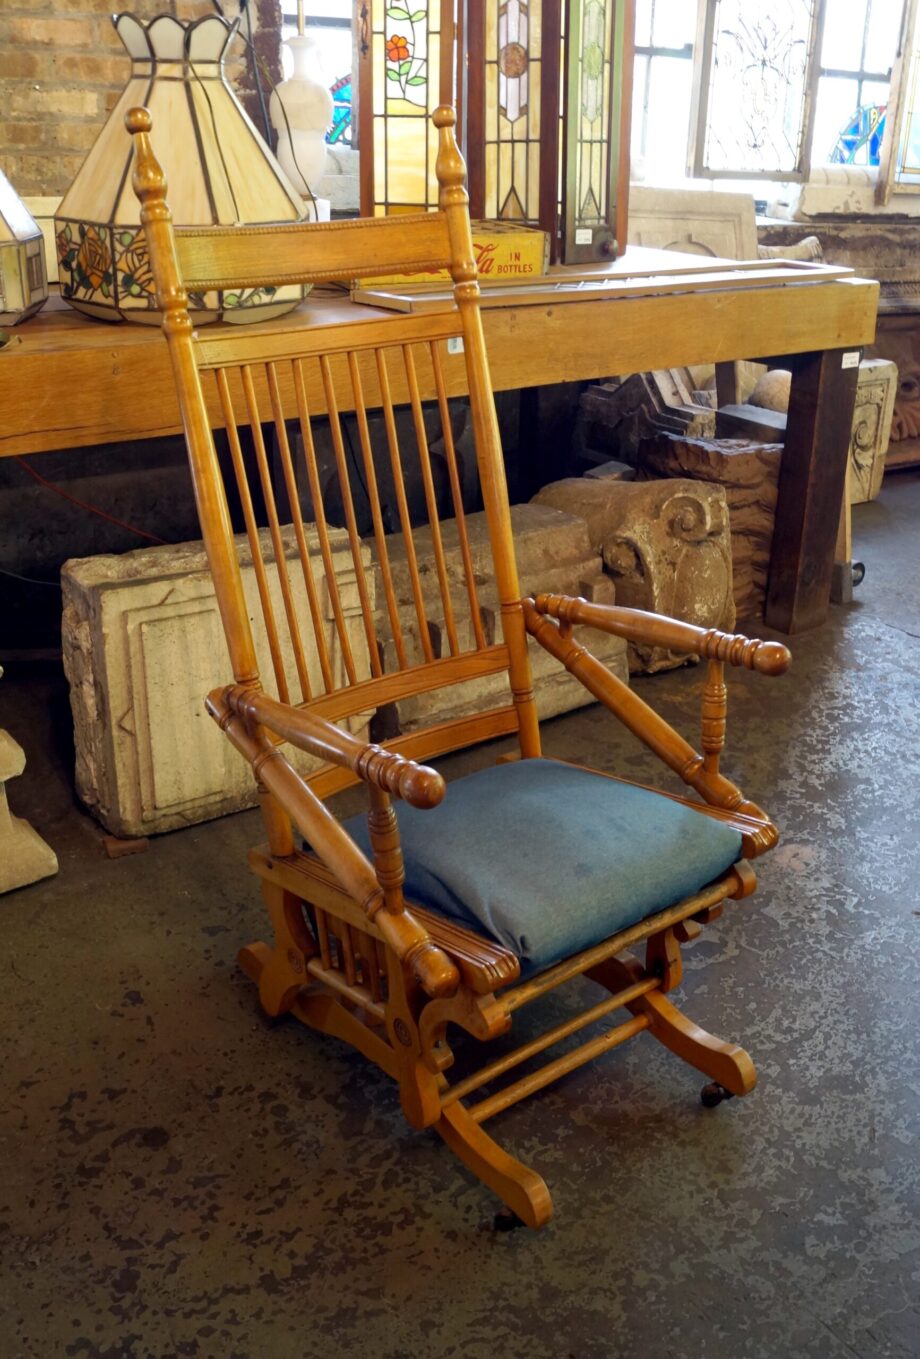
x=450 y=166
x=148 y=180
x=453 y=201
x=149 y=183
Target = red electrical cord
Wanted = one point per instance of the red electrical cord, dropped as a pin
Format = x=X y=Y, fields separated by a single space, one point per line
x=141 y=533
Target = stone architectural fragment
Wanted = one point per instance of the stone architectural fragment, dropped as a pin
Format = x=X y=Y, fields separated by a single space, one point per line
x=613 y=416
x=695 y=221
x=554 y=554
x=143 y=645
x=24 y=856
x=876 y=394
x=665 y=545
x=749 y=472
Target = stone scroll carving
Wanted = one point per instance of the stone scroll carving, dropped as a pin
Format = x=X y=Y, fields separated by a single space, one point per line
x=665 y=546
x=748 y=472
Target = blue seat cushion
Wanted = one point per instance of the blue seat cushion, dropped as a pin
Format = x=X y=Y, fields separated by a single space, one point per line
x=548 y=859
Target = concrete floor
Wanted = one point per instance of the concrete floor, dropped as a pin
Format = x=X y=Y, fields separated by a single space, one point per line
x=182 y=1179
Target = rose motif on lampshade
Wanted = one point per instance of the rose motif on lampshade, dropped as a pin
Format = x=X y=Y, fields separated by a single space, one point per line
x=219 y=172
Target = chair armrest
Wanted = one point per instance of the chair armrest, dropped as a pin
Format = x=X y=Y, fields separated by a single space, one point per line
x=652 y=629
x=699 y=771
x=416 y=784
x=380 y=899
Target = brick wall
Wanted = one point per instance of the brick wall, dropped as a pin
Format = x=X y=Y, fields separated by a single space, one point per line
x=62 y=68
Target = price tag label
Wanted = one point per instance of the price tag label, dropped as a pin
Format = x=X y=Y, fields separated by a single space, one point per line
x=850 y=359
x=455 y=344
x=583 y=235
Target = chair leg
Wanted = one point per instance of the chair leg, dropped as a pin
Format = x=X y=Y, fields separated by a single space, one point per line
x=519 y=1187
x=725 y=1063
x=279 y=972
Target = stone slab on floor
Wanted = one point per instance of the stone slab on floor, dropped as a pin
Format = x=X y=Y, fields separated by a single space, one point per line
x=24 y=856
x=554 y=554
x=143 y=645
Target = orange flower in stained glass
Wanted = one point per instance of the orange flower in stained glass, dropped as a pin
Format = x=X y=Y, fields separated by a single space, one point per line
x=93 y=257
x=397 y=48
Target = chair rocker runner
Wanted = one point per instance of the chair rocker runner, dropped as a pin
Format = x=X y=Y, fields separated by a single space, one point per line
x=358 y=595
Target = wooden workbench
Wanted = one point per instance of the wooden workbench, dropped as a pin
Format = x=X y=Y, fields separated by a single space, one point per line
x=68 y=382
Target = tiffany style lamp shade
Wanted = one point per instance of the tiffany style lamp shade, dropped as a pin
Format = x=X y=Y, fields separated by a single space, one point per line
x=544 y=91
x=23 y=284
x=219 y=171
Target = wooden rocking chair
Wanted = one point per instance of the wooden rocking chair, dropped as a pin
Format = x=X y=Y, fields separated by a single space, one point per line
x=482 y=896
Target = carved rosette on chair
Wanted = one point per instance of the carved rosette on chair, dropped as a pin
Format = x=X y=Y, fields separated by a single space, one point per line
x=219 y=169
x=23 y=282
x=519 y=63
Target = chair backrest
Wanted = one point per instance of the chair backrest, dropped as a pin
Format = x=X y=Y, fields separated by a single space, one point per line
x=358 y=582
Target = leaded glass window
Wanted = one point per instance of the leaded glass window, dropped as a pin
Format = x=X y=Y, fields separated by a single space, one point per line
x=405 y=72
x=757 y=83
x=595 y=41
x=857 y=52
x=512 y=53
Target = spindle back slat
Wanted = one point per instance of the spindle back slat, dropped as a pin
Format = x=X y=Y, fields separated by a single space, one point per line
x=367 y=586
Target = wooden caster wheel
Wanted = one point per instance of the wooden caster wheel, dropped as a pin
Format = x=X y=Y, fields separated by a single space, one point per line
x=714 y=1094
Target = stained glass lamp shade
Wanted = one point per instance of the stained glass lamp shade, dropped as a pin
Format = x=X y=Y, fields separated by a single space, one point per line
x=219 y=170
x=23 y=283
x=546 y=95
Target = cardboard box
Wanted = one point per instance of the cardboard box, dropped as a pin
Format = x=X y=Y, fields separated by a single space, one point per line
x=504 y=251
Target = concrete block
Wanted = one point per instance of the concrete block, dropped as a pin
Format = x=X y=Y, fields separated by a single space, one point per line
x=24 y=856
x=554 y=554
x=143 y=645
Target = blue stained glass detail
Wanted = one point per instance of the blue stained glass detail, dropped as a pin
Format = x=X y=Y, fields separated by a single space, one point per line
x=860 y=142
x=341 y=111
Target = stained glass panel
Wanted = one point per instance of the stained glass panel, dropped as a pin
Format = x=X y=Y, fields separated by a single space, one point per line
x=758 y=82
x=511 y=131
x=340 y=132
x=595 y=46
x=402 y=79
x=860 y=140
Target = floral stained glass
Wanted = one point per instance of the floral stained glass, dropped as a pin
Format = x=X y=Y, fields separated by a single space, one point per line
x=402 y=79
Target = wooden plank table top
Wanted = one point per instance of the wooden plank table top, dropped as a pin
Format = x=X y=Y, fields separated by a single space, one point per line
x=67 y=381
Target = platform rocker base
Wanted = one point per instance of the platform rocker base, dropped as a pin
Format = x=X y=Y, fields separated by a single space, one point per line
x=338 y=977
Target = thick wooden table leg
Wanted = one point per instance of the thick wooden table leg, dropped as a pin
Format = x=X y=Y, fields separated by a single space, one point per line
x=811 y=487
x=728 y=391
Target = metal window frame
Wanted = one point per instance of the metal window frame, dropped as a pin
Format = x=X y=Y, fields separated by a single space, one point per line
x=651 y=50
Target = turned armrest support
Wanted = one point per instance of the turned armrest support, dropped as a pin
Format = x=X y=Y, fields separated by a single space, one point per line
x=414 y=783
x=697 y=771
x=381 y=902
x=652 y=629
